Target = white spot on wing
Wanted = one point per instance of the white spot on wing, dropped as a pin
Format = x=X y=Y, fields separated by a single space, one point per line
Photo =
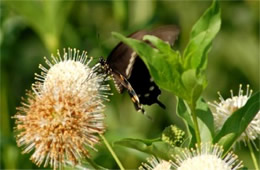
x=151 y=79
x=146 y=95
x=151 y=88
x=131 y=63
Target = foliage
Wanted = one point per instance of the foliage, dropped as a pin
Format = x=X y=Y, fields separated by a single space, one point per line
x=185 y=77
x=50 y=13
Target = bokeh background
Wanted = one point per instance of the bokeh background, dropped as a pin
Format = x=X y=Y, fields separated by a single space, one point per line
x=33 y=29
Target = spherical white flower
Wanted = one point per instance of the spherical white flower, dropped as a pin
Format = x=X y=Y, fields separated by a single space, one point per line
x=208 y=157
x=61 y=118
x=224 y=108
x=155 y=164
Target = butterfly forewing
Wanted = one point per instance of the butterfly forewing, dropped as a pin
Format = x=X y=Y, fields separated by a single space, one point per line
x=119 y=58
x=167 y=33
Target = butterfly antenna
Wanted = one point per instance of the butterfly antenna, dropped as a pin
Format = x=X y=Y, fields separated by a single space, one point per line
x=98 y=40
x=99 y=46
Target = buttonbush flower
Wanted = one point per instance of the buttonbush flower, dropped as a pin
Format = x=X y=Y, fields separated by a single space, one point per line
x=209 y=157
x=155 y=164
x=62 y=115
x=173 y=135
x=224 y=108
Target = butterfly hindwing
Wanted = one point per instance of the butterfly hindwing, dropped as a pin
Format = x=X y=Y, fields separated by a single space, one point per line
x=144 y=86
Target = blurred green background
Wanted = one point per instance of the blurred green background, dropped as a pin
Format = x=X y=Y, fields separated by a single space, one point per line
x=33 y=29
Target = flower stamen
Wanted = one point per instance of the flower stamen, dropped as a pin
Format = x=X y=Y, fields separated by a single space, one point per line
x=223 y=109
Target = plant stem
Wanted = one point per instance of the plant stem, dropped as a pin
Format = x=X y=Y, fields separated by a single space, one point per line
x=252 y=154
x=196 y=125
x=112 y=152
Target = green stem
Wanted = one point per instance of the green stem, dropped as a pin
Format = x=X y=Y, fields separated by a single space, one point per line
x=112 y=152
x=252 y=154
x=196 y=125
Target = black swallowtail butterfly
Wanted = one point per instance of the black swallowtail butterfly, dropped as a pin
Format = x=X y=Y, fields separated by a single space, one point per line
x=129 y=71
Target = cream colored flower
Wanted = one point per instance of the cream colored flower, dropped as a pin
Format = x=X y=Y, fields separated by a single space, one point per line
x=61 y=118
x=155 y=164
x=224 y=108
x=209 y=157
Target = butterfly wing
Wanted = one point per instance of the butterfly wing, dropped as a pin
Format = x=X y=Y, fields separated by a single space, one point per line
x=168 y=33
x=140 y=78
x=144 y=86
x=123 y=60
x=121 y=55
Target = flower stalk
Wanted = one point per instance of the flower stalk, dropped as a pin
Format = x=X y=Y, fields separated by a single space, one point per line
x=195 y=121
x=252 y=154
x=112 y=152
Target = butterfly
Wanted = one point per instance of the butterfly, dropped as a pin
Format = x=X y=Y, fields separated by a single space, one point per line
x=129 y=71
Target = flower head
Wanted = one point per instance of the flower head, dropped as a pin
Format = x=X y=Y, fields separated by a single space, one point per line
x=155 y=164
x=61 y=117
x=209 y=157
x=173 y=135
x=226 y=107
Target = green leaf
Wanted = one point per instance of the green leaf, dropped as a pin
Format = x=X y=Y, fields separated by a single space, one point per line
x=196 y=52
x=163 y=63
x=202 y=34
x=205 y=120
x=159 y=149
x=162 y=46
x=228 y=138
x=193 y=84
x=184 y=113
x=236 y=124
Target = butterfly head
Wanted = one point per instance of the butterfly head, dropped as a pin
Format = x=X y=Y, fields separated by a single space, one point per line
x=104 y=64
x=102 y=61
